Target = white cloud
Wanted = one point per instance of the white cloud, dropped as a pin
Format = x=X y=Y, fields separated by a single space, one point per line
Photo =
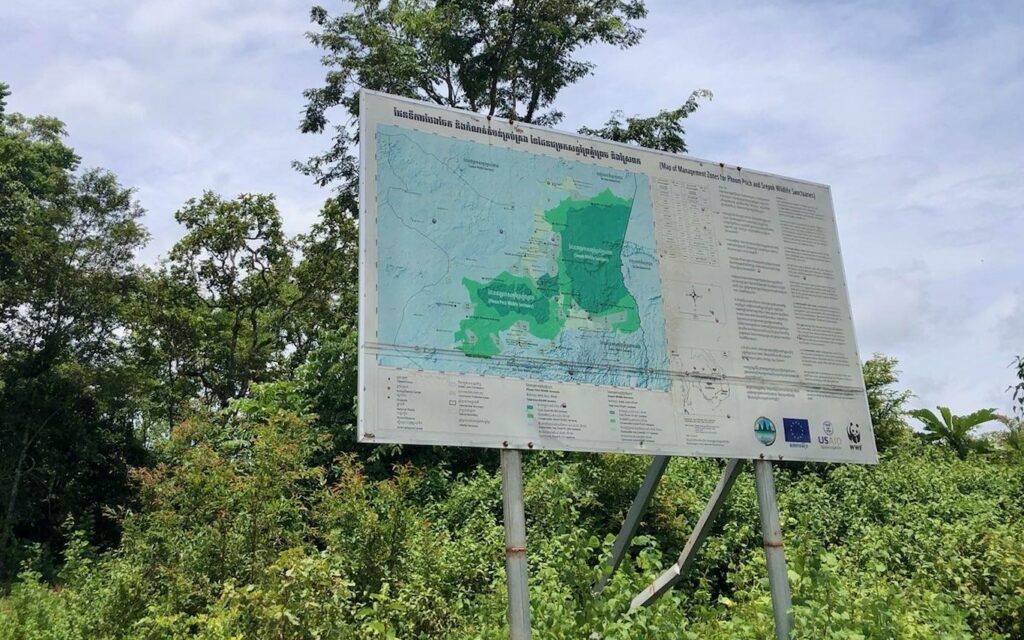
x=911 y=111
x=174 y=96
x=104 y=91
x=1010 y=321
x=895 y=309
x=217 y=25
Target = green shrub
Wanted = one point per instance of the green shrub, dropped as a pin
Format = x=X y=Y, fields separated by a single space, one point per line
x=245 y=532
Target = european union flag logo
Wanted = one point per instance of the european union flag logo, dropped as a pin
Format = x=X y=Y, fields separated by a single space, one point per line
x=796 y=429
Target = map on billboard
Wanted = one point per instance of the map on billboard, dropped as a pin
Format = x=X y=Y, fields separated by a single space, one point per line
x=524 y=287
x=577 y=299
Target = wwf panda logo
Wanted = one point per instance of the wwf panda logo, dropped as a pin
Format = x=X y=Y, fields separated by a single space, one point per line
x=853 y=431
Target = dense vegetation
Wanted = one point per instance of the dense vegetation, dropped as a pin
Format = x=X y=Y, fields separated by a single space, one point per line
x=241 y=533
x=177 y=455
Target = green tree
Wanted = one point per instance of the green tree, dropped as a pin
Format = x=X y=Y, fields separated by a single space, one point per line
x=504 y=59
x=664 y=131
x=1011 y=441
x=328 y=271
x=886 y=403
x=219 y=302
x=952 y=430
x=237 y=303
x=1018 y=389
x=67 y=385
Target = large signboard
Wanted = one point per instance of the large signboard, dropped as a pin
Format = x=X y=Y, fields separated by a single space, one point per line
x=522 y=287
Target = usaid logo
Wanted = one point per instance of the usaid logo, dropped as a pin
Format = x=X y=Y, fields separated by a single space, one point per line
x=829 y=440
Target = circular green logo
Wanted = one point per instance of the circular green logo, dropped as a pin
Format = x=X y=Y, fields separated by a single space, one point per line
x=764 y=429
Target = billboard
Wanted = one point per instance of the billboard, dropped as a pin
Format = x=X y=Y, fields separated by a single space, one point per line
x=528 y=288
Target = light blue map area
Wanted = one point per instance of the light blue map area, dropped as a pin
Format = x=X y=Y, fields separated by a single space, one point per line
x=501 y=262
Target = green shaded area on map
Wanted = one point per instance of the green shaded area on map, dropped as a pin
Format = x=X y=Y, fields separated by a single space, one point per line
x=590 y=262
x=591 y=233
x=504 y=301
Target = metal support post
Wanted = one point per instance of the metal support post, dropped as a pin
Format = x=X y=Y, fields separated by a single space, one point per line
x=771 y=531
x=515 y=545
x=674 y=574
x=632 y=521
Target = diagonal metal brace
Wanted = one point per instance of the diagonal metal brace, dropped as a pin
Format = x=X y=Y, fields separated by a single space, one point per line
x=674 y=574
x=632 y=521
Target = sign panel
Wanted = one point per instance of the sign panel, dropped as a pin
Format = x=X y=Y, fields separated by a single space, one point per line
x=522 y=287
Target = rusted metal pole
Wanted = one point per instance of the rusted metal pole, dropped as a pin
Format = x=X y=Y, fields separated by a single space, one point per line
x=515 y=545
x=632 y=521
x=675 y=573
x=771 y=531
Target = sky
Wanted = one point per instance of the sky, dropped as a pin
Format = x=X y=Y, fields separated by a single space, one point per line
x=912 y=111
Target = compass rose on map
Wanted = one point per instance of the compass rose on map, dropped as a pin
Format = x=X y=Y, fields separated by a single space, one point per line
x=693 y=295
x=700 y=302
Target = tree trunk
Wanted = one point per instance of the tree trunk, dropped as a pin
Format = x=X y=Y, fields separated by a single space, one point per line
x=8 y=522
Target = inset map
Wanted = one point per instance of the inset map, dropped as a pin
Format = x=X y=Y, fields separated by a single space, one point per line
x=705 y=388
x=502 y=262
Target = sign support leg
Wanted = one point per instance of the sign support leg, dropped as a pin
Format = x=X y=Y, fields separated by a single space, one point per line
x=674 y=574
x=771 y=531
x=515 y=545
x=632 y=521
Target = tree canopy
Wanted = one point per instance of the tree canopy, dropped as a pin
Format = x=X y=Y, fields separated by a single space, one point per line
x=67 y=386
x=506 y=59
x=237 y=303
x=954 y=431
x=887 y=404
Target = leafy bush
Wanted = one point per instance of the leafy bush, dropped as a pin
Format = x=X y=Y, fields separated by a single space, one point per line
x=245 y=532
